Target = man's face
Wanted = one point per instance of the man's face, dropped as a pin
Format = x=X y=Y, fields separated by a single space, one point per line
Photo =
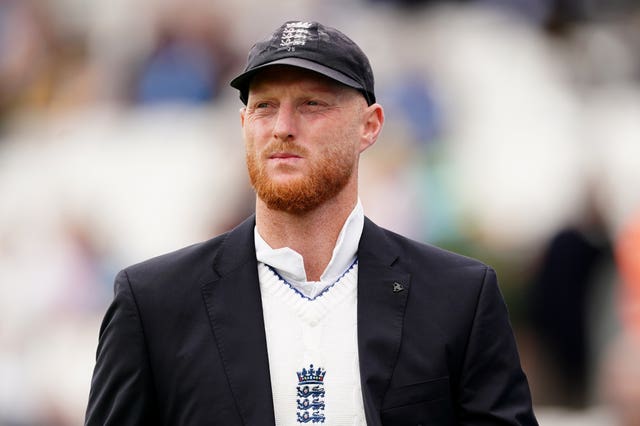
x=303 y=135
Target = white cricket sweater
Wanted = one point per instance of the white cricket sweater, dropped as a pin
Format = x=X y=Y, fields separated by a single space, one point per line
x=313 y=351
x=311 y=331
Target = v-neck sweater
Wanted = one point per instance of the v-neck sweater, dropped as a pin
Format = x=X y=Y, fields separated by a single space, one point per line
x=313 y=351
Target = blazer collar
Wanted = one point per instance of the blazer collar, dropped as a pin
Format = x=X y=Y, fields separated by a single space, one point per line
x=231 y=293
x=383 y=289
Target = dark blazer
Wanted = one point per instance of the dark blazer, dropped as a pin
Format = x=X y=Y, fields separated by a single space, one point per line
x=183 y=341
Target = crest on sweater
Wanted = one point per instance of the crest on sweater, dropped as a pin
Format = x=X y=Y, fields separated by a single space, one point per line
x=310 y=391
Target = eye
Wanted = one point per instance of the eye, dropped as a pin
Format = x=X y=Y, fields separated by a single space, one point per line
x=261 y=107
x=314 y=105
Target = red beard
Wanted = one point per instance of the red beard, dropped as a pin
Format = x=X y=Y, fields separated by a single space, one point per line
x=324 y=180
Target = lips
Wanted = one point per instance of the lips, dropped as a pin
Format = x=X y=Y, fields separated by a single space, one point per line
x=283 y=155
x=282 y=151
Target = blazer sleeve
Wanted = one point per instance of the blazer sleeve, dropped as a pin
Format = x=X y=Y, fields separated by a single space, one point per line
x=494 y=389
x=122 y=392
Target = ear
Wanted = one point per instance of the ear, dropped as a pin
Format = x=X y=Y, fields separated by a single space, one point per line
x=373 y=119
x=243 y=111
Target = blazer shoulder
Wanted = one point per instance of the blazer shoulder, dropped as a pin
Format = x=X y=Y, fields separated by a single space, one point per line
x=414 y=252
x=177 y=259
x=193 y=263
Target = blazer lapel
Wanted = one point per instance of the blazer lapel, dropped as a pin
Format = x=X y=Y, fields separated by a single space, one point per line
x=231 y=293
x=382 y=297
x=232 y=296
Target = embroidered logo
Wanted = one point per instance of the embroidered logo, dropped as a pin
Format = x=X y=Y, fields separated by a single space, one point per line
x=310 y=402
x=294 y=34
x=397 y=287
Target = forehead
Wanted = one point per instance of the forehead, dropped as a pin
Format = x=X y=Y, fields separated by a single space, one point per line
x=284 y=75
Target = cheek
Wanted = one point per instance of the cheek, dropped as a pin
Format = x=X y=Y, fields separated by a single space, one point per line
x=256 y=128
x=250 y=145
x=340 y=153
x=348 y=140
x=253 y=142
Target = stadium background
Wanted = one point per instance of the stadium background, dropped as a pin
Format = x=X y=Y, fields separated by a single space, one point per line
x=512 y=135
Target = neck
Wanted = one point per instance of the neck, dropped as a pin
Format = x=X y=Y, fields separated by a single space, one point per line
x=313 y=234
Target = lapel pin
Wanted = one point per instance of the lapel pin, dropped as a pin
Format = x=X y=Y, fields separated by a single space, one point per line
x=397 y=287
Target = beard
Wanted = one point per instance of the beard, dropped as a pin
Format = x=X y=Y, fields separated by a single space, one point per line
x=323 y=181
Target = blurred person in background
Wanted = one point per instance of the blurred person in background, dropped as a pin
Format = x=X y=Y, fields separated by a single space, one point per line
x=190 y=60
x=621 y=374
x=564 y=286
x=42 y=67
x=27 y=56
x=308 y=311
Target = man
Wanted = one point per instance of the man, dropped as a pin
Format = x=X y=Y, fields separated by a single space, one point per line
x=308 y=312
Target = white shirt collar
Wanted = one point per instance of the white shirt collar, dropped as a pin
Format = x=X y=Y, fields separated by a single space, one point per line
x=289 y=264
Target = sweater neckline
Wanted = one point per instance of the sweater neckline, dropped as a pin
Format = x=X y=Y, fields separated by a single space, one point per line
x=328 y=287
x=312 y=311
x=289 y=264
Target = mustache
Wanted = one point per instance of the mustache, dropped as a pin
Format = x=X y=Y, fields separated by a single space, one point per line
x=288 y=147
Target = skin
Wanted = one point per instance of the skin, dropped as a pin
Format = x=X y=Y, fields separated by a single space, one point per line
x=304 y=134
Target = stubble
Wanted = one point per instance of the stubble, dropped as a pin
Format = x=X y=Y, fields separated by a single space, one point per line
x=323 y=180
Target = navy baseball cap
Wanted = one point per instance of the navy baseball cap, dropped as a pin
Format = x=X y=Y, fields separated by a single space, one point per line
x=312 y=46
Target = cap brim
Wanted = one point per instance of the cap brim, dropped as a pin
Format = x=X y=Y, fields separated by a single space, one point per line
x=242 y=81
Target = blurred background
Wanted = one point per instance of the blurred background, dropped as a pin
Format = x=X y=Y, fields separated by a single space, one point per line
x=512 y=135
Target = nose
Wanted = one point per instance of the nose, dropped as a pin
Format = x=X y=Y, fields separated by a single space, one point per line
x=284 y=127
